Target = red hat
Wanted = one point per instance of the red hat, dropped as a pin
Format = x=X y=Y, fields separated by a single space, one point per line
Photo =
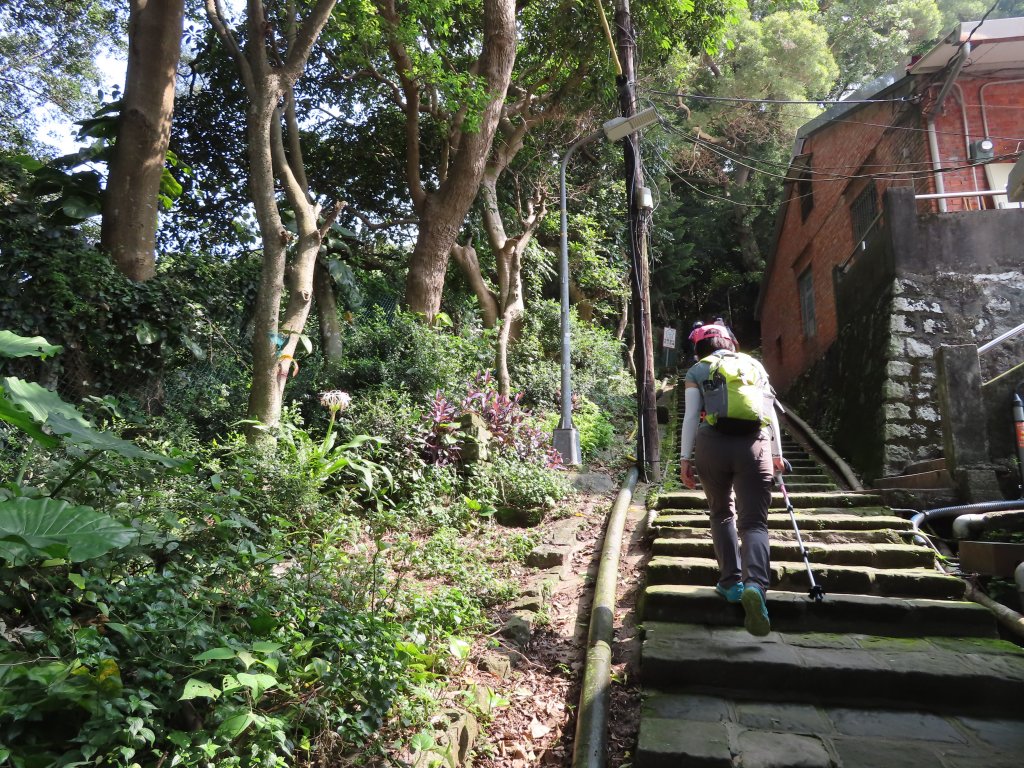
x=710 y=331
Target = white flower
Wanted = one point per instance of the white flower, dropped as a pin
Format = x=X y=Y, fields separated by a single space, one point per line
x=335 y=399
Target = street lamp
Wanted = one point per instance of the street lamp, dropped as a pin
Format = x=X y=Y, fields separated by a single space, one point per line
x=566 y=438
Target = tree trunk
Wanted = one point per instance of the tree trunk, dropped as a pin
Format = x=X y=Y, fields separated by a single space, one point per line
x=267 y=84
x=749 y=249
x=265 y=393
x=327 y=313
x=465 y=256
x=130 y=201
x=439 y=227
x=442 y=212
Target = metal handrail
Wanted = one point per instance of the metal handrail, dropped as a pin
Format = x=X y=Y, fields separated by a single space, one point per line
x=1008 y=335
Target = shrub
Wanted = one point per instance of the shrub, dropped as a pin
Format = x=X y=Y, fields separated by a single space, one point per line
x=401 y=352
x=596 y=430
x=595 y=354
x=522 y=492
x=511 y=426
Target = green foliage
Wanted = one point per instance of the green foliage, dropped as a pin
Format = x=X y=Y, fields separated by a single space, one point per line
x=596 y=357
x=287 y=620
x=400 y=352
x=116 y=333
x=593 y=424
x=521 y=492
x=42 y=529
x=61 y=83
x=444 y=556
x=595 y=428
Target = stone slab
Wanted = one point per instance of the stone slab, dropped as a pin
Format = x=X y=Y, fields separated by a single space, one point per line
x=761 y=749
x=671 y=743
x=707 y=660
x=782 y=717
x=889 y=724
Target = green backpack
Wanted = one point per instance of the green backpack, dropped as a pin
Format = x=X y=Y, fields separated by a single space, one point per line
x=738 y=397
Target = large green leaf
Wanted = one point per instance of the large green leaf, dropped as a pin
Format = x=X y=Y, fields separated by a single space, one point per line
x=20 y=418
x=40 y=402
x=90 y=438
x=45 y=407
x=13 y=345
x=32 y=529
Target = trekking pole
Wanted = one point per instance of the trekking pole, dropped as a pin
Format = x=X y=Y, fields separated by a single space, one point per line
x=817 y=594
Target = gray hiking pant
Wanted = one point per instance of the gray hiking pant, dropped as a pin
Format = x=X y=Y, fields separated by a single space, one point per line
x=736 y=474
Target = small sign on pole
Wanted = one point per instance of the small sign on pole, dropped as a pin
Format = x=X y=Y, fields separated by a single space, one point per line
x=668 y=341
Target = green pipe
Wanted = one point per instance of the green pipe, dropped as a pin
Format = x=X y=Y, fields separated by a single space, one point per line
x=590 y=748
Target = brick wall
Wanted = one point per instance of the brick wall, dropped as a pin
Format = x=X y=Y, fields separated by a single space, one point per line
x=977 y=108
x=871 y=140
x=843 y=156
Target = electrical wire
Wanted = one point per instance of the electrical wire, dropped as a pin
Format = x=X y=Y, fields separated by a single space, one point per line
x=670 y=171
x=742 y=100
x=872 y=125
x=736 y=157
x=977 y=26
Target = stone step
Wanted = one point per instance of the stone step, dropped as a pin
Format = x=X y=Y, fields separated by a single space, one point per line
x=808 y=475
x=969 y=675
x=872 y=555
x=837 y=613
x=680 y=731
x=798 y=462
x=922 y=480
x=884 y=536
x=697 y=500
x=928 y=465
x=843 y=579
x=818 y=519
x=796 y=485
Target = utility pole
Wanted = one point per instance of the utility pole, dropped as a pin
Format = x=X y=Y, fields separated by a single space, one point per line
x=638 y=199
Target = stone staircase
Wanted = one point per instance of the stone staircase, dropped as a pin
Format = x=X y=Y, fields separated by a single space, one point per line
x=892 y=669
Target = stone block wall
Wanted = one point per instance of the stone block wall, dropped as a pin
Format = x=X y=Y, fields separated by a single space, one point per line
x=918 y=325
x=948 y=279
x=946 y=307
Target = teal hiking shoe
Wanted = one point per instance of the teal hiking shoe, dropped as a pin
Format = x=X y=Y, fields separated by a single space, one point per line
x=732 y=594
x=756 y=620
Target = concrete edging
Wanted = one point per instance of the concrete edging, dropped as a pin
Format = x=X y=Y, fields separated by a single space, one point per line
x=590 y=747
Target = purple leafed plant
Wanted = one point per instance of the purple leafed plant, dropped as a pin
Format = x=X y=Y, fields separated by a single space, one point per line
x=508 y=422
x=440 y=432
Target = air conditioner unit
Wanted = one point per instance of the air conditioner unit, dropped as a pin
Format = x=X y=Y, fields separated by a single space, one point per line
x=1015 y=182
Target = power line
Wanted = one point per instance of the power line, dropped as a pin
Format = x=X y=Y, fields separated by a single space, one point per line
x=742 y=100
x=672 y=172
x=913 y=175
x=825 y=172
x=906 y=177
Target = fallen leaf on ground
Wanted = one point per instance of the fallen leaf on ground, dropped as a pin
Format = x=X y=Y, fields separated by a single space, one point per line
x=538 y=730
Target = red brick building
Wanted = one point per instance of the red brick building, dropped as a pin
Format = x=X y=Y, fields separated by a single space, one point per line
x=940 y=138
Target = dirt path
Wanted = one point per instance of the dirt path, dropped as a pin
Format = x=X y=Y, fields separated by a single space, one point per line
x=538 y=725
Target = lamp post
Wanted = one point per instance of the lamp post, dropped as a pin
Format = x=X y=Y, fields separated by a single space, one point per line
x=566 y=438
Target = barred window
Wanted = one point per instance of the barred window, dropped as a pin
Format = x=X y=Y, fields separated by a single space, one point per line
x=863 y=213
x=805 y=286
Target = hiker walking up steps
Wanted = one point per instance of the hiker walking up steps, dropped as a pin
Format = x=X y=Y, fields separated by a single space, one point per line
x=738 y=450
